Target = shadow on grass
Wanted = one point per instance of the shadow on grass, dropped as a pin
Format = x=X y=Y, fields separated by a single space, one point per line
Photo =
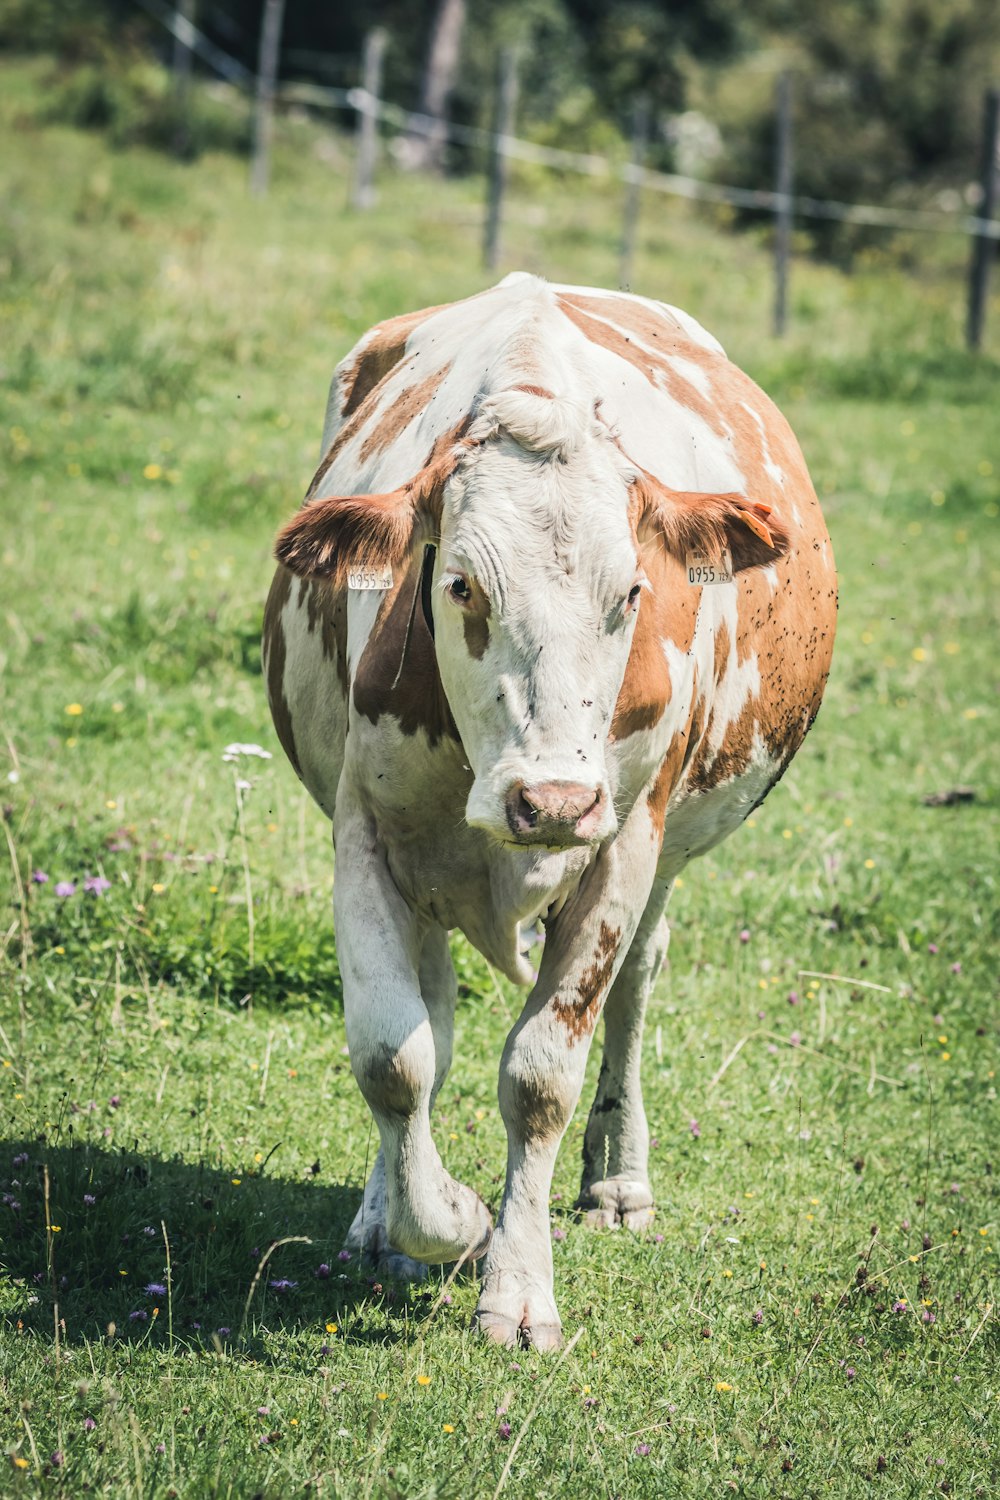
x=102 y=1260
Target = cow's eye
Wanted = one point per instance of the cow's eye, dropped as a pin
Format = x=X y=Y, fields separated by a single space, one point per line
x=632 y=602
x=459 y=589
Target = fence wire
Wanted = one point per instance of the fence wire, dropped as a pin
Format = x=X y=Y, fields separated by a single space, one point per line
x=409 y=122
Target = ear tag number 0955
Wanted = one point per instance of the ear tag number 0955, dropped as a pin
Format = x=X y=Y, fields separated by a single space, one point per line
x=369 y=578
x=703 y=570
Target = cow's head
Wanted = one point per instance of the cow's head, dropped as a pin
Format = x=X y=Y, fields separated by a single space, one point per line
x=540 y=526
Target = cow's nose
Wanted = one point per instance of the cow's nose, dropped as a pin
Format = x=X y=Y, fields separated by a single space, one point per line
x=563 y=810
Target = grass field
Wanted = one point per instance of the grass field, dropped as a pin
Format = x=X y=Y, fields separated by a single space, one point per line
x=815 y=1313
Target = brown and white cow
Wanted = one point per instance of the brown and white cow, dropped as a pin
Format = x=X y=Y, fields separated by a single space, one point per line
x=555 y=616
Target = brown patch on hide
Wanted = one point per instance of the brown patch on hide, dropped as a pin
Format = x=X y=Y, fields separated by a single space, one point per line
x=535 y=390
x=397 y=417
x=275 y=656
x=381 y=354
x=398 y=672
x=327 y=612
x=666 y=613
x=579 y=1016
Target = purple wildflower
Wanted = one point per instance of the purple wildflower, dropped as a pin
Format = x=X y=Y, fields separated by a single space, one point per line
x=956 y=968
x=161 y=1447
x=658 y=1238
x=65 y=888
x=263 y=1411
x=223 y=1332
x=745 y=935
x=899 y=1306
x=114 y=1101
x=89 y=1199
x=39 y=877
x=695 y=1129
x=446 y=1299
x=322 y=1270
x=503 y=1431
x=795 y=1039
x=932 y=947
x=89 y=1424
x=155 y=1289
x=344 y=1255
x=927 y=1316
x=758 y=1316
x=140 y=1315
x=21 y=1159
x=282 y=1284
x=57 y=1459
x=642 y=1450
x=590 y=1401
x=793 y=997
x=558 y=1234
x=850 y=1373
x=96 y=885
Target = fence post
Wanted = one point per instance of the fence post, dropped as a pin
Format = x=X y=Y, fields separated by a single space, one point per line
x=504 y=125
x=983 y=247
x=640 y=138
x=783 y=203
x=267 y=72
x=184 y=13
x=372 y=58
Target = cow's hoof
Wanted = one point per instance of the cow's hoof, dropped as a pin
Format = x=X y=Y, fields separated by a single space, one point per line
x=518 y=1335
x=616 y=1203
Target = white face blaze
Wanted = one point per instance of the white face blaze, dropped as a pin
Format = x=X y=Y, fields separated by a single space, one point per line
x=537 y=591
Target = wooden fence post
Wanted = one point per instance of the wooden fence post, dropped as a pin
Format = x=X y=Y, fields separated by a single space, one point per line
x=983 y=247
x=506 y=110
x=640 y=139
x=783 y=204
x=372 y=58
x=267 y=72
x=184 y=13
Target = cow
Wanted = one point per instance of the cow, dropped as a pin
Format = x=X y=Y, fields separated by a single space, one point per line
x=555 y=615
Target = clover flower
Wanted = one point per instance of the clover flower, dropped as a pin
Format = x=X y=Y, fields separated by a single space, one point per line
x=65 y=888
x=695 y=1129
x=642 y=1450
x=96 y=885
x=39 y=877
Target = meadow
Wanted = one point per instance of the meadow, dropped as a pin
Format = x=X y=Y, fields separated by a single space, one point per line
x=814 y=1311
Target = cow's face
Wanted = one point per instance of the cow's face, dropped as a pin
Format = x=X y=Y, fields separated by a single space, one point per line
x=537 y=587
x=535 y=515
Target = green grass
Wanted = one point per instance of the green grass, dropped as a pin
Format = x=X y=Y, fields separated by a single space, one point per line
x=165 y=355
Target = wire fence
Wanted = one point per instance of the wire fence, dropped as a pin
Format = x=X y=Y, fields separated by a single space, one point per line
x=370 y=110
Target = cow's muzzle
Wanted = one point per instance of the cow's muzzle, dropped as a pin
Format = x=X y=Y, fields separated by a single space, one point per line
x=556 y=813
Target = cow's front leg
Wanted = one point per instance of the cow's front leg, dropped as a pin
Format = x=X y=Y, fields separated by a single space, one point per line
x=369 y=1234
x=541 y=1076
x=614 y=1189
x=399 y=1050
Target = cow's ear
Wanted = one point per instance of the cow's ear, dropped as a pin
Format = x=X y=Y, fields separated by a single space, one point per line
x=330 y=537
x=690 y=522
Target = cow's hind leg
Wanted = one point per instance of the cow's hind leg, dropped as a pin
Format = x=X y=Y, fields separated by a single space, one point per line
x=614 y=1189
x=368 y=1233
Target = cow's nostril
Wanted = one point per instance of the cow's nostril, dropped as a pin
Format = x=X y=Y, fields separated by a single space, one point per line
x=527 y=811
